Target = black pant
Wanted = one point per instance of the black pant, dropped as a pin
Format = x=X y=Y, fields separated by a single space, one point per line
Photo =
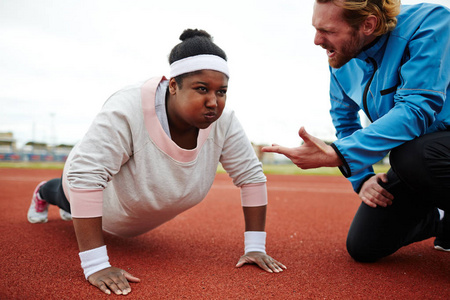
x=419 y=179
x=52 y=192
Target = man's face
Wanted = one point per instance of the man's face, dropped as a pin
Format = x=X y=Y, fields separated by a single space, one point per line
x=341 y=41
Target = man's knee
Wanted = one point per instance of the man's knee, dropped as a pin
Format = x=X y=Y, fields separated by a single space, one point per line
x=360 y=251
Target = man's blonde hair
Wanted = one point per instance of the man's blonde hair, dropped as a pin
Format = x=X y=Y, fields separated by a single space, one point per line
x=356 y=11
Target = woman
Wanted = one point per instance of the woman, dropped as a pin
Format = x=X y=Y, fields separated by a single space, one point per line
x=152 y=153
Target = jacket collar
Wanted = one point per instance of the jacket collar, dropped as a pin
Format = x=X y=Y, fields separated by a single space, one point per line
x=373 y=48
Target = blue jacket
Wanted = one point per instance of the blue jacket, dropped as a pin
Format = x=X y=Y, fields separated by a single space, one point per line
x=401 y=83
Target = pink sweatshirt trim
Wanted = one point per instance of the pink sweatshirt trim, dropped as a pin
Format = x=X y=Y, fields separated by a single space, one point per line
x=254 y=194
x=148 y=92
x=86 y=203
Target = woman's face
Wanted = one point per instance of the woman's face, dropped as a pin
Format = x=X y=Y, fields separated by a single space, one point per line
x=199 y=102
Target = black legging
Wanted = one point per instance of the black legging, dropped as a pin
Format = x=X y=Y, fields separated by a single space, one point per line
x=52 y=192
x=419 y=179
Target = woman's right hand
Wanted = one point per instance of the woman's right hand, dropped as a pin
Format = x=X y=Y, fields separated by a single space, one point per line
x=113 y=279
x=90 y=236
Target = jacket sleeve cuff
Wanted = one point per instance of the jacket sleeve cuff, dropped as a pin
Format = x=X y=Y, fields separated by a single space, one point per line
x=345 y=169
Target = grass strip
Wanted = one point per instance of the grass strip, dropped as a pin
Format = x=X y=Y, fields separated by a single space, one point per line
x=280 y=169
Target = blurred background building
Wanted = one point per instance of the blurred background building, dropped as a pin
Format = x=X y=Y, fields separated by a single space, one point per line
x=31 y=151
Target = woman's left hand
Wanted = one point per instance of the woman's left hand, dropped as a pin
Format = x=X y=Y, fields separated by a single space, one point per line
x=263 y=260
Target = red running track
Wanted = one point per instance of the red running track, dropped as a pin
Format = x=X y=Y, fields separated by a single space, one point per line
x=193 y=256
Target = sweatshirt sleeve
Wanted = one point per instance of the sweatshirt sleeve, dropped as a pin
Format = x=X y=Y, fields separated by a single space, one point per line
x=238 y=157
x=106 y=146
x=254 y=194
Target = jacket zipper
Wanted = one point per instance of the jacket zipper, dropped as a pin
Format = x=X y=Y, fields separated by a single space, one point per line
x=366 y=89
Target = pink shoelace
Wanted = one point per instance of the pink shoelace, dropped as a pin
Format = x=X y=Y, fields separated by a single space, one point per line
x=39 y=204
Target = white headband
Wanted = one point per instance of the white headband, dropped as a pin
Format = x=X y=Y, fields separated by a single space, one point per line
x=199 y=62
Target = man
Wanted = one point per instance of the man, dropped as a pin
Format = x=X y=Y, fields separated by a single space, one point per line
x=392 y=62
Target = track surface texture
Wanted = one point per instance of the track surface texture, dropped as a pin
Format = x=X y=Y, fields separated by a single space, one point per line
x=194 y=255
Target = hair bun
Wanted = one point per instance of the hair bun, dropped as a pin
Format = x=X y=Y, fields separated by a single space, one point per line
x=190 y=33
x=195 y=42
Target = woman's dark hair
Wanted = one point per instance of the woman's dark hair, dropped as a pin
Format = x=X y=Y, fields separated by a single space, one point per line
x=194 y=42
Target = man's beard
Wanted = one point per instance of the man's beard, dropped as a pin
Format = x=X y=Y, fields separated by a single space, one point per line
x=339 y=60
x=349 y=51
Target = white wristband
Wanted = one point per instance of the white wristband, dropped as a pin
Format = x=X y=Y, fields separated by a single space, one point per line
x=94 y=260
x=255 y=241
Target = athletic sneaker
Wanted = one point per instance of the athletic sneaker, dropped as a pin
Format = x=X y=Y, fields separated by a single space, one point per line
x=65 y=215
x=442 y=241
x=38 y=211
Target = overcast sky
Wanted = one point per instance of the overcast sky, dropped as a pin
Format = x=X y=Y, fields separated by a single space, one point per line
x=60 y=61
